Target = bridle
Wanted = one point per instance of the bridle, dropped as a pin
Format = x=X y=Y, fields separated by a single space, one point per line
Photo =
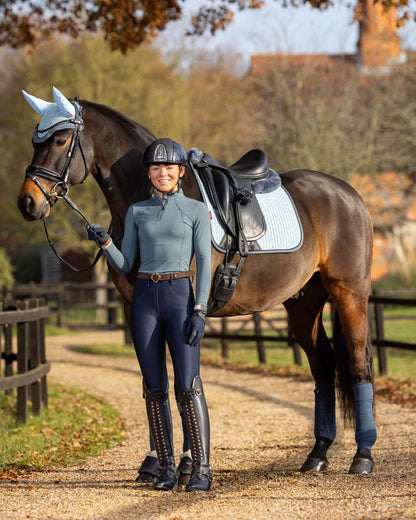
x=61 y=187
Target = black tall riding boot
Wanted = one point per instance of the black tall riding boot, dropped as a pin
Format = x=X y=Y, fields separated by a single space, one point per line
x=160 y=423
x=195 y=415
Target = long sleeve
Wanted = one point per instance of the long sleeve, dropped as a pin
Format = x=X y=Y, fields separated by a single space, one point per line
x=123 y=259
x=202 y=247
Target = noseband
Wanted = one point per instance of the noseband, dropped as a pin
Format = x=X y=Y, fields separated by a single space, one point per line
x=61 y=187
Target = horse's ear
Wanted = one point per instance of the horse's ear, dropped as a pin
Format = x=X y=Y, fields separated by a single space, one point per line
x=63 y=103
x=38 y=105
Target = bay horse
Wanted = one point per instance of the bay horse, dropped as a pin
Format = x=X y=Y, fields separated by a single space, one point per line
x=333 y=261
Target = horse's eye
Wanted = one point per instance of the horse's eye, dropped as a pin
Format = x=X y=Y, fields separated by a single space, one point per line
x=60 y=142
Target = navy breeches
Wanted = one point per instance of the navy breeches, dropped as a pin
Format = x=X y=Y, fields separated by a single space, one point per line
x=159 y=314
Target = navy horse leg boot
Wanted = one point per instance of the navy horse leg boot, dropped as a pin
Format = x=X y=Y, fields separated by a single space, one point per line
x=195 y=415
x=160 y=422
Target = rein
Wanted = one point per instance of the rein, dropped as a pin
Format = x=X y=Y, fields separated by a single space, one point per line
x=61 y=187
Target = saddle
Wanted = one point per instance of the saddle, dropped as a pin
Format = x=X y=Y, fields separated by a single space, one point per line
x=232 y=193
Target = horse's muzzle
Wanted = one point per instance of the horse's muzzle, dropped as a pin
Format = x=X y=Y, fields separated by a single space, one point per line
x=31 y=208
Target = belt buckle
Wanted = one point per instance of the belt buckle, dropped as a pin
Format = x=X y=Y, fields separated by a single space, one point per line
x=155 y=277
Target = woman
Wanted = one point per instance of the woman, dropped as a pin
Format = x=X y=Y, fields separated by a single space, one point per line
x=168 y=229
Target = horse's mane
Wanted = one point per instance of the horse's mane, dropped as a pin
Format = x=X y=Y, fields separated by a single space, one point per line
x=128 y=124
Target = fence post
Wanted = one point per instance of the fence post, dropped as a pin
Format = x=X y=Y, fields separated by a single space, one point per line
x=293 y=344
x=34 y=357
x=261 y=351
x=61 y=294
x=22 y=364
x=8 y=351
x=381 y=351
x=42 y=354
x=111 y=300
x=224 y=343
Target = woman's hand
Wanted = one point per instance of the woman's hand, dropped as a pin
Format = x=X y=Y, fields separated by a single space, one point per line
x=98 y=234
x=196 y=328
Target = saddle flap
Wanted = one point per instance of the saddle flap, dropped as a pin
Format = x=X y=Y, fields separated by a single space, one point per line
x=221 y=195
x=232 y=195
x=250 y=217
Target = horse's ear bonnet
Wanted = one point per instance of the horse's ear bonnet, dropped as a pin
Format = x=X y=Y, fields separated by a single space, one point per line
x=164 y=151
x=56 y=116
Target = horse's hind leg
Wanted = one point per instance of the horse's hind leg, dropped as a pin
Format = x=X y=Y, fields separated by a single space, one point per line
x=305 y=314
x=351 y=338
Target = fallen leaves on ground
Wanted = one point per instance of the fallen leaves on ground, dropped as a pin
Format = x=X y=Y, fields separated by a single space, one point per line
x=401 y=393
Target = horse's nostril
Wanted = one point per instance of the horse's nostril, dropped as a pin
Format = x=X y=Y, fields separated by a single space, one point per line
x=26 y=204
x=29 y=203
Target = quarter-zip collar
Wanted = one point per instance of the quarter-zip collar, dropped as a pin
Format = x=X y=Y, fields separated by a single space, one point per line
x=178 y=194
x=165 y=197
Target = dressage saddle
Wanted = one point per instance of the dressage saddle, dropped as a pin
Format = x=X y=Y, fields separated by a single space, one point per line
x=232 y=193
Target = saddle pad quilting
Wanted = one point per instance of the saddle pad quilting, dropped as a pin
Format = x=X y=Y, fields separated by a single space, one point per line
x=284 y=232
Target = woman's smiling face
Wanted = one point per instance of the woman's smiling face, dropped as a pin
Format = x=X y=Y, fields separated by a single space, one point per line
x=165 y=177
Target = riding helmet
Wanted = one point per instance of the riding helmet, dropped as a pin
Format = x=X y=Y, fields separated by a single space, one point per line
x=164 y=151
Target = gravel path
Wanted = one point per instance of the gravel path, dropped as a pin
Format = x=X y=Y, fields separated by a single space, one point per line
x=261 y=432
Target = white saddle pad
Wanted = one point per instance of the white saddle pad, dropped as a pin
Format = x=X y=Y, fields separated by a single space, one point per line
x=284 y=233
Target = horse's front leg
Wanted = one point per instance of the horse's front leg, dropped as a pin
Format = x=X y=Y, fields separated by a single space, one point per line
x=351 y=334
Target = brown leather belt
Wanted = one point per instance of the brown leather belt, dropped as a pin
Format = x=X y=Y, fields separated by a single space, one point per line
x=156 y=277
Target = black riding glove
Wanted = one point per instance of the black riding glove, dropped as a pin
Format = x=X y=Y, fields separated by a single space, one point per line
x=196 y=328
x=97 y=233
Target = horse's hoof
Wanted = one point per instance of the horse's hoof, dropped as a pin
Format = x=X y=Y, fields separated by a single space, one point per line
x=361 y=466
x=314 y=464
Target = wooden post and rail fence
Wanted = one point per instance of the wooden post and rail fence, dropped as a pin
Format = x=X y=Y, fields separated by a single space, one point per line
x=259 y=328
x=23 y=363
x=263 y=324
x=73 y=296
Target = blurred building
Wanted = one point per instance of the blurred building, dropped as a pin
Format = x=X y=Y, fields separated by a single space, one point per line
x=379 y=47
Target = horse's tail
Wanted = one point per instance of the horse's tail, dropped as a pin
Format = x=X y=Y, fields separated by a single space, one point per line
x=342 y=366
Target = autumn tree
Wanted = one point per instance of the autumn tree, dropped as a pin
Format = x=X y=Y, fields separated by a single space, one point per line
x=331 y=119
x=138 y=85
x=128 y=23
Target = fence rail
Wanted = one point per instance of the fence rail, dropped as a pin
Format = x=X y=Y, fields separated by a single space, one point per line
x=26 y=355
x=377 y=303
x=261 y=328
x=376 y=320
x=65 y=297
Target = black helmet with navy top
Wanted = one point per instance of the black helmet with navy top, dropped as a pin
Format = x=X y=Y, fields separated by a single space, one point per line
x=164 y=151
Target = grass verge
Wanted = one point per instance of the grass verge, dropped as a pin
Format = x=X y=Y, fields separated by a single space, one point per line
x=74 y=426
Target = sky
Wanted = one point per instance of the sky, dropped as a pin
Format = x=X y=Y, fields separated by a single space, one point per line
x=272 y=29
